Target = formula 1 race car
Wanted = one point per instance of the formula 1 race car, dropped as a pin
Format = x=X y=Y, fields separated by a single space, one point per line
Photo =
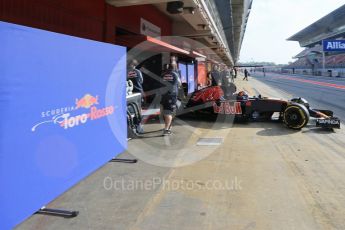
x=295 y=113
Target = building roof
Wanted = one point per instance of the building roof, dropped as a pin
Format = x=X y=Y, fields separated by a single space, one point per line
x=307 y=51
x=331 y=25
x=219 y=25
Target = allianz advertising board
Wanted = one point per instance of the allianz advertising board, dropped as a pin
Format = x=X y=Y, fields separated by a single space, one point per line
x=333 y=45
x=63 y=115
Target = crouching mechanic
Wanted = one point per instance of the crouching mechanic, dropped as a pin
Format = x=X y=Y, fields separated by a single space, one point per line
x=136 y=77
x=169 y=92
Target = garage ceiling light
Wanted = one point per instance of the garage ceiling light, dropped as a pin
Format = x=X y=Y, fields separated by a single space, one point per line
x=167 y=45
x=199 y=54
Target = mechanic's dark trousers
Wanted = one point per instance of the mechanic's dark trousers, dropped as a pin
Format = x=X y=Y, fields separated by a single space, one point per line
x=227 y=92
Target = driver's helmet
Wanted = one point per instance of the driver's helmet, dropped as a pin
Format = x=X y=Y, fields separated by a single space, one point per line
x=301 y=101
x=242 y=95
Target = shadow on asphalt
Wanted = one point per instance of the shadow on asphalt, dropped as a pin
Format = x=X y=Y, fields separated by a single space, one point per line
x=277 y=131
x=319 y=130
x=151 y=136
x=269 y=132
x=154 y=131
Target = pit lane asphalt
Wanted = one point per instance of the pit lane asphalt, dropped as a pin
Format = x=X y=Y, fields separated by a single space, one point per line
x=320 y=96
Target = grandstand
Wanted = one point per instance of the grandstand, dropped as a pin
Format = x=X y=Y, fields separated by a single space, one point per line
x=312 y=60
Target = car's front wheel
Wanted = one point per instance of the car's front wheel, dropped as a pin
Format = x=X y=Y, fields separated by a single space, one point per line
x=295 y=116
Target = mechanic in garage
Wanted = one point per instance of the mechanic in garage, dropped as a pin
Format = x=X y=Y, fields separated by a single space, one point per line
x=227 y=83
x=136 y=77
x=215 y=75
x=169 y=93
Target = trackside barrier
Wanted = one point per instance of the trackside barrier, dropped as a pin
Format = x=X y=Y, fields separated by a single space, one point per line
x=63 y=115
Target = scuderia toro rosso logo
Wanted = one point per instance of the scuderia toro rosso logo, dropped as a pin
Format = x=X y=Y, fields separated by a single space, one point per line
x=63 y=116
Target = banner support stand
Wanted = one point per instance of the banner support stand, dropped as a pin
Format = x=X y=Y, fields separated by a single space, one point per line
x=128 y=161
x=57 y=212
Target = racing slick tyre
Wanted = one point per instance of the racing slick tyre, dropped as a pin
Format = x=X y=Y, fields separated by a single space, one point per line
x=134 y=126
x=296 y=116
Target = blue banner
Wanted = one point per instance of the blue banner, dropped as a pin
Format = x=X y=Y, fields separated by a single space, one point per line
x=183 y=71
x=191 y=80
x=63 y=115
x=333 y=45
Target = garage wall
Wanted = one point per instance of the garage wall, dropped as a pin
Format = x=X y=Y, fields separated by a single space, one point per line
x=129 y=18
x=92 y=19
x=73 y=17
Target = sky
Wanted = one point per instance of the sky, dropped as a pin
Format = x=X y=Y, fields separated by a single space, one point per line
x=271 y=22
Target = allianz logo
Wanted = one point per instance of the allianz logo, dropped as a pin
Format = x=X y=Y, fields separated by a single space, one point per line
x=335 y=45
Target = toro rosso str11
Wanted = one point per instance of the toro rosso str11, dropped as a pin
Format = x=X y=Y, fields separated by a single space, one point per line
x=295 y=113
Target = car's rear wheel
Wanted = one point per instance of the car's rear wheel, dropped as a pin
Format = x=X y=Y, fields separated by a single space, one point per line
x=295 y=116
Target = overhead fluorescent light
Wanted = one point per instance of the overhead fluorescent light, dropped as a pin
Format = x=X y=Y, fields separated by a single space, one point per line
x=167 y=45
x=199 y=54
